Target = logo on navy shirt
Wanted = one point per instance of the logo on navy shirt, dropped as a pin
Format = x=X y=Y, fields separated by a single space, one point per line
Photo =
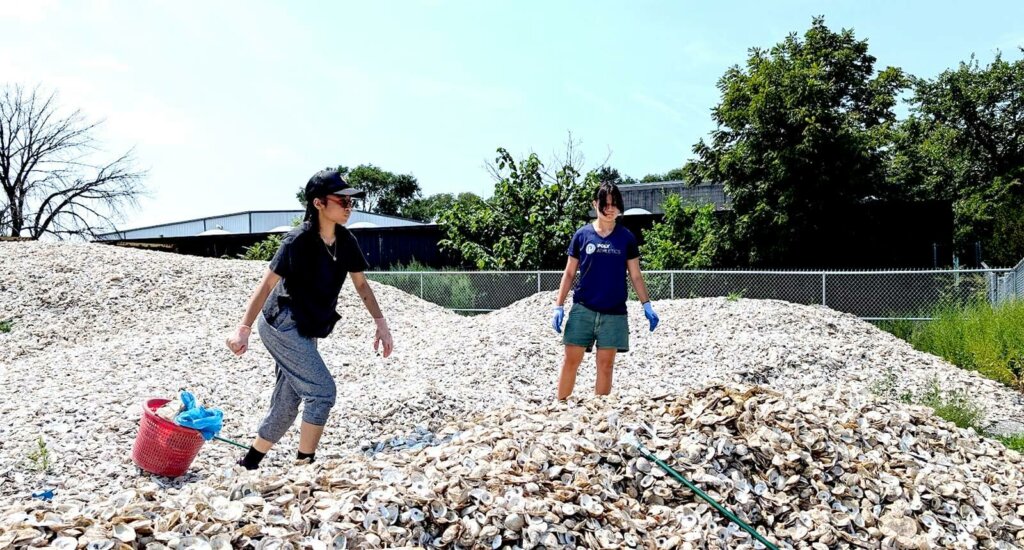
x=603 y=248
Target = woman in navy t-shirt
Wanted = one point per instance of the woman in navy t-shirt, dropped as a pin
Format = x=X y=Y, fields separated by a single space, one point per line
x=603 y=252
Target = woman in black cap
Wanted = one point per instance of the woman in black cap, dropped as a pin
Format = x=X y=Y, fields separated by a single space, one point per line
x=297 y=298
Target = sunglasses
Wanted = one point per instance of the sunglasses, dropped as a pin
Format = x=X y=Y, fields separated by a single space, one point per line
x=344 y=202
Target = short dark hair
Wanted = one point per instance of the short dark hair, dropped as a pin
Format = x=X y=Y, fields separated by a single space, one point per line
x=603 y=192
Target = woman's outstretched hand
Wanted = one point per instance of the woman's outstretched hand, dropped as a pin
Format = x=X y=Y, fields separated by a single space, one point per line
x=383 y=336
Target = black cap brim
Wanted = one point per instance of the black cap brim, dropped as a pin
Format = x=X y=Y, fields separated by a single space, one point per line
x=350 y=192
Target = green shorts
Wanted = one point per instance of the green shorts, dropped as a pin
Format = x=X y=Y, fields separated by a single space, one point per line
x=585 y=326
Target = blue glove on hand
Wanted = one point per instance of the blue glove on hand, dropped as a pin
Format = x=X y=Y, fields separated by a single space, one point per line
x=556 y=322
x=651 y=315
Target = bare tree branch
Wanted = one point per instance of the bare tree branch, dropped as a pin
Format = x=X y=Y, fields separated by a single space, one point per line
x=51 y=182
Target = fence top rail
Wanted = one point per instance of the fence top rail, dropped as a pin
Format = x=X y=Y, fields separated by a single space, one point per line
x=722 y=272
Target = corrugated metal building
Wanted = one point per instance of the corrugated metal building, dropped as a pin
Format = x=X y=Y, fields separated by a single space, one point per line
x=647 y=198
x=385 y=240
x=241 y=223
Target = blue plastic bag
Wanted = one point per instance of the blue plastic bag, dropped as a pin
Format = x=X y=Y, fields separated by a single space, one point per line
x=207 y=421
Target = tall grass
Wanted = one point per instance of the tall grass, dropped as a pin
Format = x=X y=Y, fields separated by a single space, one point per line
x=978 y=337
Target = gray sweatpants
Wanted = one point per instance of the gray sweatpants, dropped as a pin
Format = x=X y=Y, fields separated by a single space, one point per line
x=302 y=377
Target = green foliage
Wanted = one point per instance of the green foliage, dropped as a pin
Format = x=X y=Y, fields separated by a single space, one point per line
x=975 y=337
x=450 y=290
x=801 y=134
x=386 y=192
x=735 y=296
x=430 y=208
x=40 y=456
x=1015 y=442
x=607 y=174
x=956 y=406
x=675 y=174
x=963 y=143
x=1006 y=245
x=264 y=250
x=529 y=220
x=688 y=237
x=5 y=326
x=900 y=328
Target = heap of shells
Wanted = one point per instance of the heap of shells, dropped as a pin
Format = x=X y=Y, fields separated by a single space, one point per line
x=96 y=329
x=810 y=472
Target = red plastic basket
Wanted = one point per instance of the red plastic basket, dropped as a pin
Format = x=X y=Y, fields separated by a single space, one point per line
x=164 y=448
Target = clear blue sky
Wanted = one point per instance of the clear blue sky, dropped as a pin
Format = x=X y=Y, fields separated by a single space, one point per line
x=232 y=105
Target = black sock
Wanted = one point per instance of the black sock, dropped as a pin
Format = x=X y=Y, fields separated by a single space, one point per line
x=310 y=456
x=252 y=459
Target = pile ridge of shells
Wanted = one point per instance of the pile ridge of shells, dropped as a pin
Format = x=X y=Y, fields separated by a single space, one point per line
x=457 y=441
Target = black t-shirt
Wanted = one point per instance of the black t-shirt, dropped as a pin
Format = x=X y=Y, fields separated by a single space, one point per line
x=311 y=279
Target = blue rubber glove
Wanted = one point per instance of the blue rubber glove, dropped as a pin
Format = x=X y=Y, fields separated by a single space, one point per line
x=651 y=315
x=559 y=316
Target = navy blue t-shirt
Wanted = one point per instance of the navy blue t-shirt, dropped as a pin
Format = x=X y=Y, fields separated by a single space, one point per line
x=602 y=282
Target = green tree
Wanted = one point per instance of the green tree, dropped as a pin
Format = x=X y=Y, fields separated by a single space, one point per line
x=964 y=142
x=429 y=209
x=528 y=221
x=386 y=192
x=607 y=174
x=801 y=134
x=675 y=174
x=425 y=209
x=688 y=237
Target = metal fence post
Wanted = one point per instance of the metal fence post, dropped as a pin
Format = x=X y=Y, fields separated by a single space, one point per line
x=672 y=285
x=823 y=288
x=421 y=286
x=992 y=282
x=538 y=280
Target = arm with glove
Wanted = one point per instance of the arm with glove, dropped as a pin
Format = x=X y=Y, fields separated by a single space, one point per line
x=637 y=277
x=558 y=312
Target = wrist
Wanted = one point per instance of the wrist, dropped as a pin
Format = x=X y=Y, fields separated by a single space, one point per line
x=244 y=329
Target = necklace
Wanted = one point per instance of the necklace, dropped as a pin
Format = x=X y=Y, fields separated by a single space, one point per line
x=333 y=255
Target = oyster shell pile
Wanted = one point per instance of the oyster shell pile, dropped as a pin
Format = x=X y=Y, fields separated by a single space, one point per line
x=456 y=440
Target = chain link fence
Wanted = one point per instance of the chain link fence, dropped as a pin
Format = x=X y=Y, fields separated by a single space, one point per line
x=1009 y=285
x=871 y=295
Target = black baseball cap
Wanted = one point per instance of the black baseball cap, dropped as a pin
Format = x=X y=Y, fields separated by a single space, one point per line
x=330 y=182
